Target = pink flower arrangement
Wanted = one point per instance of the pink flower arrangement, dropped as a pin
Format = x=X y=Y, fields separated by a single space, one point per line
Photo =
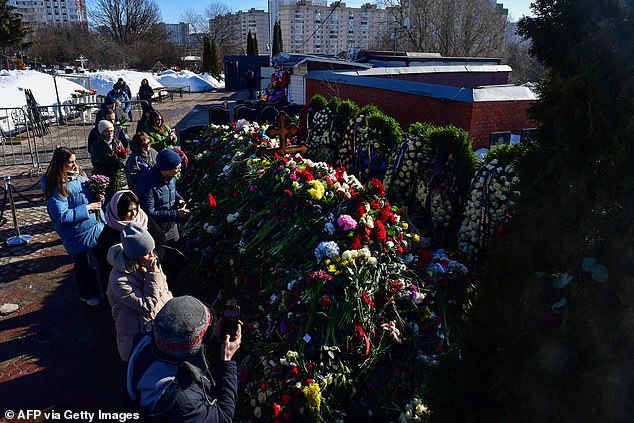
x=347 y=222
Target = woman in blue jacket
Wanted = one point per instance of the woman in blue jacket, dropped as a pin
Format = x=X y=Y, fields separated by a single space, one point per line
x=74 y=213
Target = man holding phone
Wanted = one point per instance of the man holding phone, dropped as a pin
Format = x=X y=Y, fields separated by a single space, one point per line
x=168 y=375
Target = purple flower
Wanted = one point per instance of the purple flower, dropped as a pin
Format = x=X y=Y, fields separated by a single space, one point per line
x=347 y=222
x=253 y=188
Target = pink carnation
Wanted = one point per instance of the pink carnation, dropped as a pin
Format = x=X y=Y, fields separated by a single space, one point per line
x=347 y=222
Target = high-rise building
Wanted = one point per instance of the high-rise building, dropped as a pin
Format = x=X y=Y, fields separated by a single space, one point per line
x=315 y=28
x=311 y=26
x=241 y=22
x=37 y=12
x=178 y=33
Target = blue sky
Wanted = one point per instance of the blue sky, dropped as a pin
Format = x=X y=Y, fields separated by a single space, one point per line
x=172 y=11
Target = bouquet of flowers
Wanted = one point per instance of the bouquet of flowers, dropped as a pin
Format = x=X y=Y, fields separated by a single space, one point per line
x=335 y=291
x=123 y=121
x=82 y=93
x=98 y=185
x=121 y=152
x=278 y=85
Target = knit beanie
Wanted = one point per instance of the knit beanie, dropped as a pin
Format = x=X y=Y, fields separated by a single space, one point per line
x=167 y=159
x=103 y=125
x=180 y=326
x=136 y=241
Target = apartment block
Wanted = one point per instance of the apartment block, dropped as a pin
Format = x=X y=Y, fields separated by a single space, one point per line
x=39 y=12
x=316 y=28
x=178 y=33
x=241 y=22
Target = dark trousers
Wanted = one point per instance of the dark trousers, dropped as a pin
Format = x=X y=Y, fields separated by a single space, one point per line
x=86 y=277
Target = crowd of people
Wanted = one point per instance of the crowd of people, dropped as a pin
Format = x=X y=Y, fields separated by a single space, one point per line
x=124 y=241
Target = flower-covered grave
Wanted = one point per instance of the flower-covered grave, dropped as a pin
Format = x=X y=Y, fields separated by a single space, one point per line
x=343 y=307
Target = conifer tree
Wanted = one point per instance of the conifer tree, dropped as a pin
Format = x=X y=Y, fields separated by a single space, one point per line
x=277 y=39
x=216 y=67
x=12 y=29
x=550 y=335
x=207 y=60
x=256 y=48
x=249 y=44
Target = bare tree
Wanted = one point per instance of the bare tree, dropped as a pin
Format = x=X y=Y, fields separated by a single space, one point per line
x=526 y=67
x=127 y=20
x=219 y=24
x=450 y=27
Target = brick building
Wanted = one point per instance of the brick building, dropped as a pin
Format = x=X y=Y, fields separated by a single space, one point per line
x=465 y=99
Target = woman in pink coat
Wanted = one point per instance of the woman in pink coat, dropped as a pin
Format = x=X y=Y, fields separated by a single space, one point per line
x=137 y=289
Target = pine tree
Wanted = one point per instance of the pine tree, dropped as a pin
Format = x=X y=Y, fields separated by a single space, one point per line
x=249 y=44
x=207 y=59
x=216 y=68
x=12 y=29
x=277 y=39
x=552 y=325
x=256 y=48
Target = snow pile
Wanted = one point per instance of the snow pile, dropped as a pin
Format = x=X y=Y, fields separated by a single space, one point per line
x=13 y=83
x=197 y=83
x=103 y=81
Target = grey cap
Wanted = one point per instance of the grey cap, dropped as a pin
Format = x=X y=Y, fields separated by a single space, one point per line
x=180 y=326
x=136 y=241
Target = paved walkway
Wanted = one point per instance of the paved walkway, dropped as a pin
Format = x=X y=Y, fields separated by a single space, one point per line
x=55 y=352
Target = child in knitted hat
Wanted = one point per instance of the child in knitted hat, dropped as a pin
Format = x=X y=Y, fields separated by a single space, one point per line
x=137 y=289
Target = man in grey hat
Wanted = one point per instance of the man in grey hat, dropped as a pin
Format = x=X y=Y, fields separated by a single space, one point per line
x=168 y=375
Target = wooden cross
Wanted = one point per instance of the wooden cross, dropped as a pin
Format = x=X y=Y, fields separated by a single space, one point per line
x=285 y=132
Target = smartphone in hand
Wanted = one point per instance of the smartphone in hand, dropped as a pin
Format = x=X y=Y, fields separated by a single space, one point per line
x=230 y=317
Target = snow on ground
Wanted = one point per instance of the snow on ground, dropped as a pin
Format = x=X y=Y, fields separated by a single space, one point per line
x=103 y=81
x=197 y=83
x=13 y=84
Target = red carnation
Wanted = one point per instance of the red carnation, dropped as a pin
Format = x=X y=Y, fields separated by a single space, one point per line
x=286 y=399
x=381 y=235
x=212 y=200
x=277 y=409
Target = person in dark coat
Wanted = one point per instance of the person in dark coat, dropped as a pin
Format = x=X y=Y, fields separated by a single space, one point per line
x=147 y=110
x=168 y=375
x=105 y=159
x=145 y=91
x=122 y=209
x=141 y=160
x=157 y=192
x=119 y=133
x=117 y=94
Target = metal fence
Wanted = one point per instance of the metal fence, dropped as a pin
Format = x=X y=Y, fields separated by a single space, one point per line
x=28 y=135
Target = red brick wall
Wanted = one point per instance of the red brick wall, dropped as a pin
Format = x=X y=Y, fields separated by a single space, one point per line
x=455 y=79
x=497 y=116
x=479 y=119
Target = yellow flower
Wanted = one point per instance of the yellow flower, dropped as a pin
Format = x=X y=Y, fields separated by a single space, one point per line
x=416 y=237
x=312 y=393
x=405 y=225
x=317 y=190
x=331 y=269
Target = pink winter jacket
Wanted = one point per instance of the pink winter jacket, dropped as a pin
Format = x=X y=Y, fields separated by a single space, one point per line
x=135 y=298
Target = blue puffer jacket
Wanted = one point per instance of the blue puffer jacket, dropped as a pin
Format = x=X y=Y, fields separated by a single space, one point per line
x=74 y=223
x=158 y=196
